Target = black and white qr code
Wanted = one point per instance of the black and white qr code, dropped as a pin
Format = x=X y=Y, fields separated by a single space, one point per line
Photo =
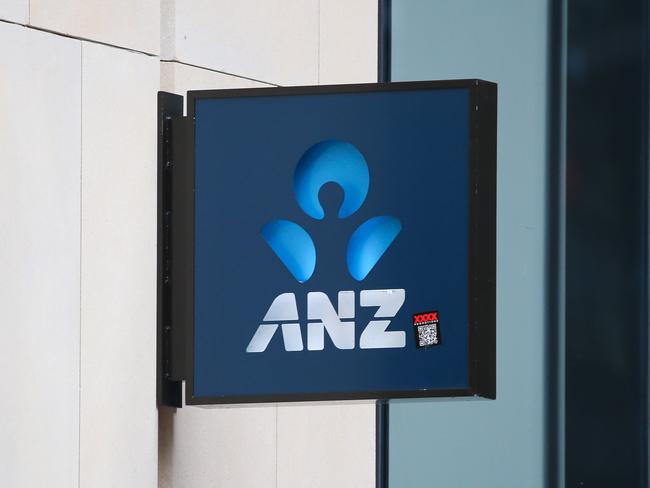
x=428 y=335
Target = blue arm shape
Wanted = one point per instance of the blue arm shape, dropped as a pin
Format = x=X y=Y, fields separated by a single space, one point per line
x=293 y=245
x=369 y=243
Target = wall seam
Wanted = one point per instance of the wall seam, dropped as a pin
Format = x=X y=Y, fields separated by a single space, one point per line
x=85 y=39
x=276 y=446
x=218 y=71
x=318 y=60
x=81 y=142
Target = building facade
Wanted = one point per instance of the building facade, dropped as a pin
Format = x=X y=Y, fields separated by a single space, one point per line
x=78 y=84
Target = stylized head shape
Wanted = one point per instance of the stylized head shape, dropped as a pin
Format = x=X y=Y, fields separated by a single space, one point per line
x=331 y=162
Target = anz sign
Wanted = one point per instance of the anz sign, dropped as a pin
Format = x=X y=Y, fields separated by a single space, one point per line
x=339 y=324
x=341 y=163
x=339 y=242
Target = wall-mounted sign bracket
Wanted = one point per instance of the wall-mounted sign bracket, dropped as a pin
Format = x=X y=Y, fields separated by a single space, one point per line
x=173 y=223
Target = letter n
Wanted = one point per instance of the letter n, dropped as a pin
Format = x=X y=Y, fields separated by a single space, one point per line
x=320 y=308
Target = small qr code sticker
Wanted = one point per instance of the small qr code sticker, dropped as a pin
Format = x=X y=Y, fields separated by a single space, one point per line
x=427 y=329
x=428 y=335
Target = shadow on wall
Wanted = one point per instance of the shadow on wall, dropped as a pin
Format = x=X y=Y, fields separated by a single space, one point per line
x=165 y=445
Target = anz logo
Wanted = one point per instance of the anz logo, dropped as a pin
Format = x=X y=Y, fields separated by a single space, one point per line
x=342 y=163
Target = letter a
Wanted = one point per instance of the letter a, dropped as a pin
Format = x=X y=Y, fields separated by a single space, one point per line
x=283 y=309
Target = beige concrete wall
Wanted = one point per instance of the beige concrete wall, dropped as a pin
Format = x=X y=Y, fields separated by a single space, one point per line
x=78 y=82
x=118 y=422
x=40 y=193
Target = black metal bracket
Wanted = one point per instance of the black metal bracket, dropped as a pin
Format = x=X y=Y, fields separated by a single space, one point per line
x=172 y=280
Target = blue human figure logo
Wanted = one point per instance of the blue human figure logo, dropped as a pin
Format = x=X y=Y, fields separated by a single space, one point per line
x=339 y=162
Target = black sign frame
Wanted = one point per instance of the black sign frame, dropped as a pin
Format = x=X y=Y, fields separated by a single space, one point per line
x=176 y=243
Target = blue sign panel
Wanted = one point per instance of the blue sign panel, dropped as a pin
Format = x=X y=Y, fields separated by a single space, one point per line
x=343 y=242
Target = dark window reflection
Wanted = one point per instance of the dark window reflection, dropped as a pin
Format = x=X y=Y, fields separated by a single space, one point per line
x=606 y=390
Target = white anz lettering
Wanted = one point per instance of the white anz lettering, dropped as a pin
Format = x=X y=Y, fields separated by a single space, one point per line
x=339 y=324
